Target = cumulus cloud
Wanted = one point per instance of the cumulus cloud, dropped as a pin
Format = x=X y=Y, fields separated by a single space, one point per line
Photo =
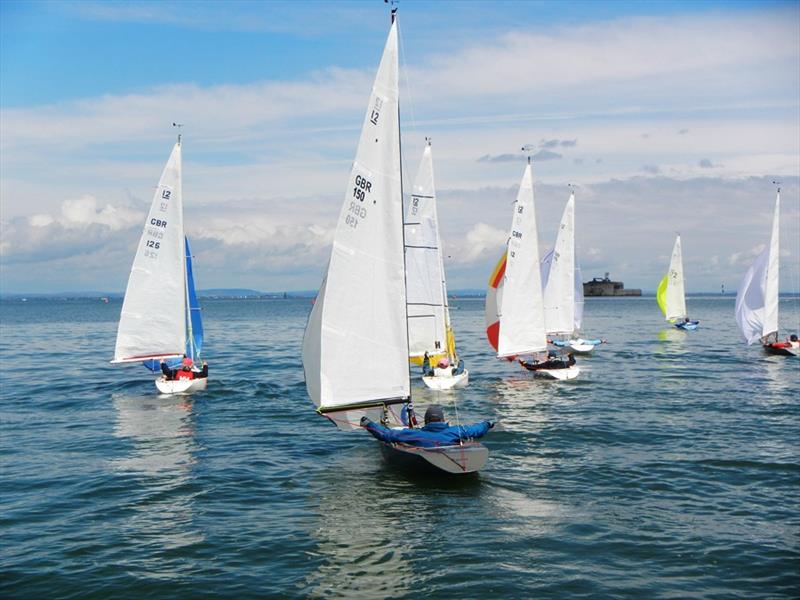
x=479 y=240
x=556 y=143
x=501 y=158
x=546 y=155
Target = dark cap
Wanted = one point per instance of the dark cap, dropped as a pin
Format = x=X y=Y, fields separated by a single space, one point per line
x=434 y=414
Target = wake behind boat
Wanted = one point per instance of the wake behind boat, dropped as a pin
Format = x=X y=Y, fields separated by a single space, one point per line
x=431 y=339
x=757 y=297
x=515 y=317
x=160 y=324
x=361 y=308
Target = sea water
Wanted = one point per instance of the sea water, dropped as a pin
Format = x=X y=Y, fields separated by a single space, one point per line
x=669 y=468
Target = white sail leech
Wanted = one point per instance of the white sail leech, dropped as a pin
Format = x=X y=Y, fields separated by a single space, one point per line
x=152 y=323
x=360 y=311
x=522 y=325
x=676 y=295
x=559 y=283
x=427 y=306
x=757 y=297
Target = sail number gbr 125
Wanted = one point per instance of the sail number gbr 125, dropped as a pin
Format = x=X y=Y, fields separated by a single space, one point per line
x=156 y=227
x=357 y=211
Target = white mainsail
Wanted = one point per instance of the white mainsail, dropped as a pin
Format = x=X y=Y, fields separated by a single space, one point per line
x=674 y=292
x=355 y=347
x=559 y=280
x=522 y=326
x=153 y=319
x=428 y=317
x=757 y=297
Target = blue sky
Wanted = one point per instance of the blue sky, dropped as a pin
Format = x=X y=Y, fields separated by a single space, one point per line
x=658 y=111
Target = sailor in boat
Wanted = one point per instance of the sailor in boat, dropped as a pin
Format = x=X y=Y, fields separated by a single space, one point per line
x=187 y=370
x=427 y=371
x=686 y=323
x=791 y=343
x=552 y=362
x=436 y=432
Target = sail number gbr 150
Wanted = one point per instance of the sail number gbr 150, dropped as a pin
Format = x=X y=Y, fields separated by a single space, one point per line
x=356 y=210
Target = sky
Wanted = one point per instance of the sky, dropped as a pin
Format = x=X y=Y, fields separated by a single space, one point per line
x=666 y=117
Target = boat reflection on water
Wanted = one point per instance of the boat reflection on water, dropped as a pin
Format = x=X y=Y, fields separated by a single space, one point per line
x=672 y=335
x=361 y=542
x=158 y=471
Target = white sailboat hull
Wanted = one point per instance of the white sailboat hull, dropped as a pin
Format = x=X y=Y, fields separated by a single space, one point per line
x=559 y=374
x=580 y=347
x=460 y=459
x=447 y=382
x=180 y=386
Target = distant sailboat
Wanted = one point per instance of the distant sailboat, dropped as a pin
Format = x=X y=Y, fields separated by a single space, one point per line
x=160 y=318
x=355 y=347
x=671 y=296
x=563 y=288
x=515 y=316
x=430 y=333
x=757 y=297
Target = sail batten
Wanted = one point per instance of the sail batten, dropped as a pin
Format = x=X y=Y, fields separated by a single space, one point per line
x=428 y=312
x=360 y=308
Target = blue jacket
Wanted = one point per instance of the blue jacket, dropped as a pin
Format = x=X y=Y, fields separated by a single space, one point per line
x=430 y=436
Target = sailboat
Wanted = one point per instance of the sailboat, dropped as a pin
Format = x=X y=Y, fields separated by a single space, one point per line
x=431 y=341
x=160 y=318
x=515 y=315
x=671 y=296
x=355 y=347
x=563 y=288
x=757 y=297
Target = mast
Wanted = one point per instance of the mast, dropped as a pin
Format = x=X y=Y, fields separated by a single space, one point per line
x=189 y=332
x=411 y=416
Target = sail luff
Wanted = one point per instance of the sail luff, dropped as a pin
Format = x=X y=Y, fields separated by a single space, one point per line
x=153 y=317
x=360 y=310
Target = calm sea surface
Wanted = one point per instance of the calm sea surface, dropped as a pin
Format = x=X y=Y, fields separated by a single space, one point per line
x=669 y=469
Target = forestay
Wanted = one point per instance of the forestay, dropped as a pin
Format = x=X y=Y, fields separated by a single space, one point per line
x=153 y=319
x=671 y=295
x=521 y=316
x=757 y=296
x=360 y=311
x=558 y=276
x=427 y=302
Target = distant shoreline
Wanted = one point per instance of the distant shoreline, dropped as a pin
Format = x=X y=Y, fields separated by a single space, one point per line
x=306 y=295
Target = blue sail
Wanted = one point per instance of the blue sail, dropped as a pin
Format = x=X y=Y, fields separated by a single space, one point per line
x=196 y=322
x=195 y=315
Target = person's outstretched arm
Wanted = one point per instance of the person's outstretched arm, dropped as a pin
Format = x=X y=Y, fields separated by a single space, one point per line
x=477 y=430
x=378 y=431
